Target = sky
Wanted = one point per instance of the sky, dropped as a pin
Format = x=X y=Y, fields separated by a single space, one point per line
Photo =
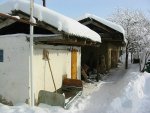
x=102 y=8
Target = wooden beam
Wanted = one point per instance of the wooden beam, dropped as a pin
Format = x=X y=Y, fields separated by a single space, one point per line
x=116 y=43
x=47 y=38
x=2 y=19
x=6 y=23
x=25 y=19
x=106 y=35
x=16 y=19
x=111 y=37
x=99 y=25
x=58 y=40
x=64 y=42
x=48 y=27
x=40 y=24
x=87 y=22
x=112 y=40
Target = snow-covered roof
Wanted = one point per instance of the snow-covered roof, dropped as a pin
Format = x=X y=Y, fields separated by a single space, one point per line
x=59 y=21
x=105 y=22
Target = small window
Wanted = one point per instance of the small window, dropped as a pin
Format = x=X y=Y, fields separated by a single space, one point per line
x=1 y=56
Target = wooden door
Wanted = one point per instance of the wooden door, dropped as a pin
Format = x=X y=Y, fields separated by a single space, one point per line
x=113 y=58
x=74 y=64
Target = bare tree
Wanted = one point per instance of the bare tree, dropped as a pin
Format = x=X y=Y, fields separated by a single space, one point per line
x=135 y=25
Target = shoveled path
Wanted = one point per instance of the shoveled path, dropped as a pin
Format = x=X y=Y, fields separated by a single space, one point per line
x=111 y=88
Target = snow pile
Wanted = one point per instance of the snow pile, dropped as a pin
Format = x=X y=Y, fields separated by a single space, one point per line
x=147 y=84
x=76 y=107
x=129 y=94
x=105 y=22
x=81 y=103
x=89 y=88
x=59 y=21
x=26 y=109
x=134 y=95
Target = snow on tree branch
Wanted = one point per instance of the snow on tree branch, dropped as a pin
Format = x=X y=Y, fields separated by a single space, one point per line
x=137 y=29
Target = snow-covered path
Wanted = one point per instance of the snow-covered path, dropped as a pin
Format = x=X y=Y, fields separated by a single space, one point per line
x=124 y=91
x=110 y=89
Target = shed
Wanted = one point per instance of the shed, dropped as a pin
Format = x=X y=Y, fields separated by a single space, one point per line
x=58 y=34
x=113 y=39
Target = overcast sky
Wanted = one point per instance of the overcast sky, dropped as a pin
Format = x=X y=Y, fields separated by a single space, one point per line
x=102 y=8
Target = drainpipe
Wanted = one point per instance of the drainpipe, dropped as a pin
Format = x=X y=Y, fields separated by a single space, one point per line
x=31 y=102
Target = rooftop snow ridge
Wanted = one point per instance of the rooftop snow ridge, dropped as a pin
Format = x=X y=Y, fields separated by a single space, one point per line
x=105 y=22
x=110 y=24
x=59 y=21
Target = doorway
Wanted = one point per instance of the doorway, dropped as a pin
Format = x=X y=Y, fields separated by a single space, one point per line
x=74 y=64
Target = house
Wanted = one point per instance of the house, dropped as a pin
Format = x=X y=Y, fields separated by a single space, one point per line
x=61 y=36
x=113 y=39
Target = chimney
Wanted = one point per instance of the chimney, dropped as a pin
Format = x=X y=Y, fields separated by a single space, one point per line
x=44 y=3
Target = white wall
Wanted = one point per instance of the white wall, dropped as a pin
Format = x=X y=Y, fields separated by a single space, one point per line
x=60 y=59
x=14 y=70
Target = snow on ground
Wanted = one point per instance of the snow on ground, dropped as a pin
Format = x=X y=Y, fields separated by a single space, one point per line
x=89 y=88
x=124 y=91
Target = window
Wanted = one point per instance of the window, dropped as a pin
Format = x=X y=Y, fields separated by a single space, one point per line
x=1 y=56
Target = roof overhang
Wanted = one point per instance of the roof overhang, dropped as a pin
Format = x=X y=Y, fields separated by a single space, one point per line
x=52 y=18
x=58 y=38
x=104 y=28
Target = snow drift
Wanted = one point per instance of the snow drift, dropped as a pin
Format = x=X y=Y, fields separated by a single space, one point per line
x=133 y=94
x=130 y=94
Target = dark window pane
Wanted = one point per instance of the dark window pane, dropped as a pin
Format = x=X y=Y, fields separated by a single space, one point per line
x=1 y=56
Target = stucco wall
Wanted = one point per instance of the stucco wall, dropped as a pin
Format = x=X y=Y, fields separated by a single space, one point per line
x=14 y=71
x=60 y=59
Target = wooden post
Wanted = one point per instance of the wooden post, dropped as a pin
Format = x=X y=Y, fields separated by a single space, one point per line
x=126 y=60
